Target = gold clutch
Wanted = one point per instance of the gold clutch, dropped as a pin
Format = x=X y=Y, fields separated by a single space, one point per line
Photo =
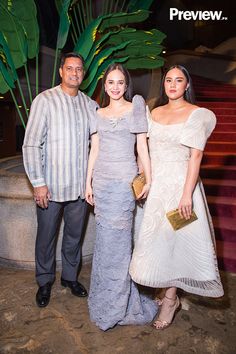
x=177 y=222
x=138 y=183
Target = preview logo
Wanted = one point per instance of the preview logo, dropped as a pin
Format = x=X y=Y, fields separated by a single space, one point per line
x=196 y=15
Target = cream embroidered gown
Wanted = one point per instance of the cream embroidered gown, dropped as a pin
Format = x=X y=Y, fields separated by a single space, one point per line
x=185 y=258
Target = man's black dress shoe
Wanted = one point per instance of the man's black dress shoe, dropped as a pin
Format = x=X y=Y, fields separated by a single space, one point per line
x=43 y=295
x=77 y=288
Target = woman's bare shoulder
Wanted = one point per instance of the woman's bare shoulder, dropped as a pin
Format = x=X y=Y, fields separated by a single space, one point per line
x=157 y=111
x=101 y=110
x=191 y=107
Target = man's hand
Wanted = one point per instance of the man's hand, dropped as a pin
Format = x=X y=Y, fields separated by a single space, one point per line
x=42 y=196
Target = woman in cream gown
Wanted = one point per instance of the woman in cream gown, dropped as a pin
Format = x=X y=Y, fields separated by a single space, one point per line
x=162 y=257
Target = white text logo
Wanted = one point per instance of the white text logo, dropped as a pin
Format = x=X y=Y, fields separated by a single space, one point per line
x=196 y=15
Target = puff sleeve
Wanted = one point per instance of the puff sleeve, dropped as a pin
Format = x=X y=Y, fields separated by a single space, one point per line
x=93 y=106
x=198 y=128
x=138 y=120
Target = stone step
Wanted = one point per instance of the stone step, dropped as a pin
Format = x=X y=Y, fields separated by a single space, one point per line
x=222 y=206
x=226 y=118
x=216 y=104
x=219 y=158
x=225 y=228
x=226 y=252
x=225 y=127
x=218 y=172
x=224 y=110
x=223 y=136
x=222 y=146
x=220 y=187
x=202 y=88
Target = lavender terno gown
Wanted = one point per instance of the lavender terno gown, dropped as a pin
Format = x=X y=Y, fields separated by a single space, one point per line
x=114 y=297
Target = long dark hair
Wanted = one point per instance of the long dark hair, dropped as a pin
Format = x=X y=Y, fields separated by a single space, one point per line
x=188 y=94
x=128 y=95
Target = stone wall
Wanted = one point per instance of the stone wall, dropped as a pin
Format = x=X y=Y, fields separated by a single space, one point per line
x=18 y=219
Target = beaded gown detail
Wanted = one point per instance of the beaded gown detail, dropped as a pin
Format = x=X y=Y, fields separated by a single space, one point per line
x=185 y=258
x=113 y=297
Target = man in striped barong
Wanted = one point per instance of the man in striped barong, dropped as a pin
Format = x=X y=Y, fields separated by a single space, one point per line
x=55 y=153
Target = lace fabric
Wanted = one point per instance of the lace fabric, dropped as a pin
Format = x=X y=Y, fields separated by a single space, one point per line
x=184 y=258
x=113 y=296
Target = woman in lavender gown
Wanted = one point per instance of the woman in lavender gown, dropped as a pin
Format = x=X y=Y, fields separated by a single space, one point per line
x=114 y=298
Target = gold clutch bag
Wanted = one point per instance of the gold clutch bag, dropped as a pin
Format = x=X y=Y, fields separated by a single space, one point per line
x=138 y=183
x=177 y=222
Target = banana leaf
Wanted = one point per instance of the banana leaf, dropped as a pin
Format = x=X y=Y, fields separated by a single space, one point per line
x=59 y=5
x=98 y=60
x=7 y=56
x=64 y=25
x=87 y=38
x=149 y=62
x=136 y=35
x=3 y=85
x=26 y=13
x=140 y=49
x=96 y=48
x=123 y=18
x=99 y=74
x=6 y=75
x=62 y=35
x=15 y=36
x=135 y=5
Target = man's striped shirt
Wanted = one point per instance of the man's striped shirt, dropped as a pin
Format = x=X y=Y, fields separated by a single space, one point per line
x=55 y=149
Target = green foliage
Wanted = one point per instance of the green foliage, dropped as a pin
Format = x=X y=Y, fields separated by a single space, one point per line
x=64 y=24
x=26 y=13
x=108 y=39
x=59 y=5
x=14 y=33
x=119 y=19
x=98 y=61
x=7 y=68
x=4 y=87
x=87 y=38
x=135 y=5
x=111 y=37
x=6 y=57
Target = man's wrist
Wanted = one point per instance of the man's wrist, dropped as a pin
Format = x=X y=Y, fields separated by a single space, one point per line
x=38 y=182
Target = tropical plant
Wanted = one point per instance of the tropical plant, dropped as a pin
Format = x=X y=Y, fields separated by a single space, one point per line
x=19 y=41
x=102 y=35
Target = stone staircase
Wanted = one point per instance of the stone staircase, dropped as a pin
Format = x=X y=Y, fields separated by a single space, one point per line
x=218 y=171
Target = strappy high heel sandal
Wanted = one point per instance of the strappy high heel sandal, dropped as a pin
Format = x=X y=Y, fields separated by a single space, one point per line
x=161 y=324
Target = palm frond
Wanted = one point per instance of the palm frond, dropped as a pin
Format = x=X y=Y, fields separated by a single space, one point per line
x=62 y=33
x=98 y=60
x=15 y=36
x=123 y=18
x=4 y=88
x=135 y=5
x=26 y=13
